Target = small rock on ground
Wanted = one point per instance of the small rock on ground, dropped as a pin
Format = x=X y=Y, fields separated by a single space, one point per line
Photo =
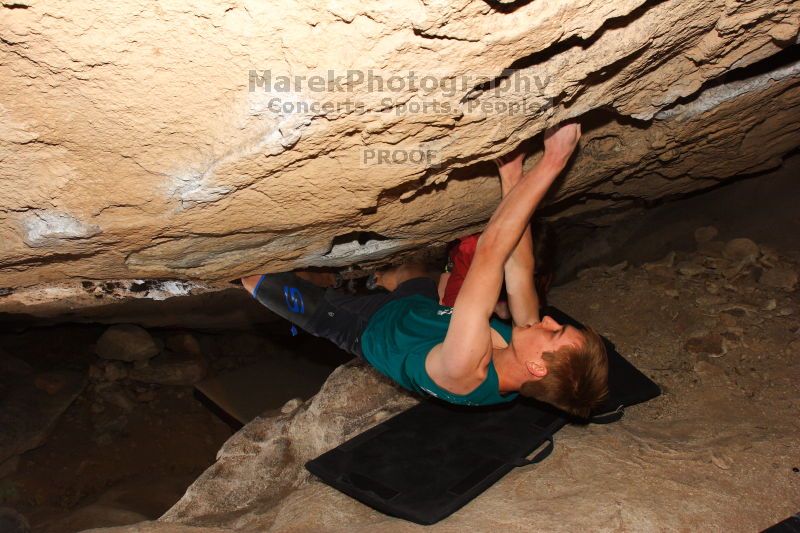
x=705 y=234
x=740 y=249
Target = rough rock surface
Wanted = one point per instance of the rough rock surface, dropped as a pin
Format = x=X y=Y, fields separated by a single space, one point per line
x=133 y=147
x=69 y=301
x=718 y=450
x=282 y=444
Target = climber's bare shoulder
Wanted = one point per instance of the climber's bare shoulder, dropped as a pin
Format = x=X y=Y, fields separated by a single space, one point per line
x=455 y=378
x=460 y=363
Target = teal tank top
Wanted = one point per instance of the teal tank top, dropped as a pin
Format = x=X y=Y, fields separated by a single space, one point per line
x=399 y=336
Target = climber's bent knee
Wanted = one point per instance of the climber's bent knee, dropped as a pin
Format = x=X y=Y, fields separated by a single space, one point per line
x=250 y=283
x=287 y=295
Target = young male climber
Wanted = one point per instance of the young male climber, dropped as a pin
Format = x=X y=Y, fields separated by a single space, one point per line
x=461 y=354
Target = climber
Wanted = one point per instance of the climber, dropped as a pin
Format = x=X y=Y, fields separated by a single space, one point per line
x=461 y=354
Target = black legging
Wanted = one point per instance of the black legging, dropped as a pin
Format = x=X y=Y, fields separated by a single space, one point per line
x=331 y=313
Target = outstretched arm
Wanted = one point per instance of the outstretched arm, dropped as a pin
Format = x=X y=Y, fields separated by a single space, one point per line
x=523 y=301
x=460 y=361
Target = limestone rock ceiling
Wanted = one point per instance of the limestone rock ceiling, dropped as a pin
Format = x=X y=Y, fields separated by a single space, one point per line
x=164 y=141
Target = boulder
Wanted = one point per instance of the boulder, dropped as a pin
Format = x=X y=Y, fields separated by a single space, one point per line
x=126 y=342
x=741 y=249
x=184 y=343
x=705 y=234
x=215 y=180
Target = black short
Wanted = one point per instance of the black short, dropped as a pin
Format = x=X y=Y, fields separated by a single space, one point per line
x=331 y=313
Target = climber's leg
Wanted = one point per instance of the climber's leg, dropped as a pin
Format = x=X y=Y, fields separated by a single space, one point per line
x=329 y=313
x=288 y=296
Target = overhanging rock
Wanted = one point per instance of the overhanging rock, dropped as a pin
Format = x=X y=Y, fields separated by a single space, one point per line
x=162 y=142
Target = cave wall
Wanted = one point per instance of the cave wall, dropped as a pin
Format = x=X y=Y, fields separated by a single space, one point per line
x=143 y=141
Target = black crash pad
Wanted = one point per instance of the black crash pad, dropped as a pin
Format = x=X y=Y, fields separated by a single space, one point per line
x=427 y=462
x=790 y=525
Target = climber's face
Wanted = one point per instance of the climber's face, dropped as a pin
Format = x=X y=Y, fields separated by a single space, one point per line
x=548 y=336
